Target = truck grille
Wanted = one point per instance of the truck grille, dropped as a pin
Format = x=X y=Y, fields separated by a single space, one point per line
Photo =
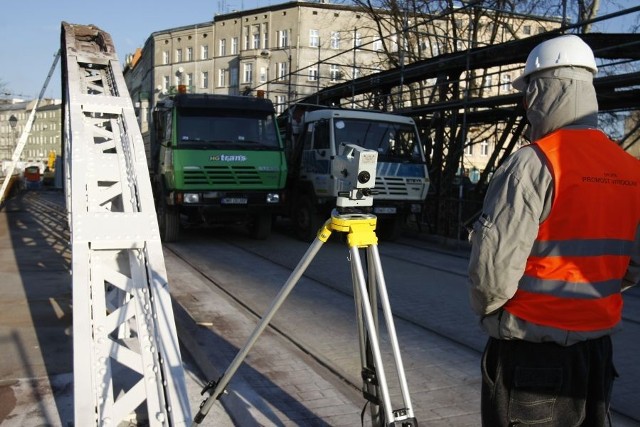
x=223 y=175
x=391 y=186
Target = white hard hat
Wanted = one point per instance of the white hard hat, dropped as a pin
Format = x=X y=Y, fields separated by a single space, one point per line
x=563 y=51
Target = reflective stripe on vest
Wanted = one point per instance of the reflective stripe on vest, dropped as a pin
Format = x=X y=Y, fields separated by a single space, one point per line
x=573 y=275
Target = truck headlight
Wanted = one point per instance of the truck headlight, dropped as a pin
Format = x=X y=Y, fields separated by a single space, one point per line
x=191 y=198
x=273 y=198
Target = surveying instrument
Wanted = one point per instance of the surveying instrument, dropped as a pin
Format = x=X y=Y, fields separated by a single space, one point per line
x=355 y=174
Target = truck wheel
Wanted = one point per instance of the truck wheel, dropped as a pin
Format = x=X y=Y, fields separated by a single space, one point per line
x=307 y=222
x=390 y=229
x=260 y=226
x=168 y=222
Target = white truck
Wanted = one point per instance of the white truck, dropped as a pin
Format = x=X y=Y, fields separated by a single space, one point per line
x=314 y=136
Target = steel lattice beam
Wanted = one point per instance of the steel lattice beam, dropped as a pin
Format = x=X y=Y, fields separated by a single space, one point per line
x=127 y=364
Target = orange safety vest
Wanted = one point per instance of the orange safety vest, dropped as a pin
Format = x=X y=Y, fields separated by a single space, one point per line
x=573 y=276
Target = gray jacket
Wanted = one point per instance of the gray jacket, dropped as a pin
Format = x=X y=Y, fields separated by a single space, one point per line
x=518 y=199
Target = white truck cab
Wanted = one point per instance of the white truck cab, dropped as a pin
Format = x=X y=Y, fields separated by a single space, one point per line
x=402 y=179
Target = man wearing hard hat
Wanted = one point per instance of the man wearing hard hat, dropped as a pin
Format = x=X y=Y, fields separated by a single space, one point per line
x=556 y=244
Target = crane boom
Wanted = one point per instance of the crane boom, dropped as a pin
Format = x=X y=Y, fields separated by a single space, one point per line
x=25 y=133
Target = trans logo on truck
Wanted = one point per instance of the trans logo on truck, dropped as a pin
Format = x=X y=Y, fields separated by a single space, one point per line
x=228 y=158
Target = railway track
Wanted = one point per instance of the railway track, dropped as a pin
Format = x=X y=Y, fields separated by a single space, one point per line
x=452 y=327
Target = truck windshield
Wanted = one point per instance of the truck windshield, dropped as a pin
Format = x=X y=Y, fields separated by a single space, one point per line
x=220 y=129
x=391 y=140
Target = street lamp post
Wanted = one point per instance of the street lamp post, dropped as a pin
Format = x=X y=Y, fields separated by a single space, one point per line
x=13 y=122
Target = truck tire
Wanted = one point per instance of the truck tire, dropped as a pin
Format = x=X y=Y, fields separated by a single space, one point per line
x=168 y=221
x=260 y=226
x=307 y=221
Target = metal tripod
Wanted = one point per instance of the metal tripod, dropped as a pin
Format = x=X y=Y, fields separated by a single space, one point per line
x=360 y=229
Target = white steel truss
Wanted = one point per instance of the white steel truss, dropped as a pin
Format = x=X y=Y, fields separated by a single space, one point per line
x=127 y=364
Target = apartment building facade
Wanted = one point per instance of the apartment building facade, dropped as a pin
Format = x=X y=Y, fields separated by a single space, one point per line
x=274 y=50
x=44 y=137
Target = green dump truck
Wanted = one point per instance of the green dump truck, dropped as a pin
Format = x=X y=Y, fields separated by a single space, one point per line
x=216 y=159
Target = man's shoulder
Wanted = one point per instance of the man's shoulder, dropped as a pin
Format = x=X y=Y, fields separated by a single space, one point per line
x=527 y=167
x=525 y=157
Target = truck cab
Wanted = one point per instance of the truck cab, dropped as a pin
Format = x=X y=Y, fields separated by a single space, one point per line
x=216 y=159
x=315 y=138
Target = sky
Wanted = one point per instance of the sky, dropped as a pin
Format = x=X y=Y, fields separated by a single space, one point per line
x=30 y=31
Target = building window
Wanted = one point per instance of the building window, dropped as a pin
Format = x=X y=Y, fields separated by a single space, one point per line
x=313 y=73
x=246 y=38
x=283 y=70
x=356 y=73
x=256 y=37
x=281 y=103
x=248 y=73
x=189 y=54
x=222 y=78
x=189 y=79
x=204 y=51
x=314 y=38
x=526 y=29
x=265 y=38
x=204 y=79
x=377 y=45
x=505 y=82
x=468 y=149
x=334 y=73
x=335 y=40
x=223 y=47
x=178 y=55
x=263 y=74
x=488 y=81
x=484 y=148
x=357 y=41
x=165 y=57
x=234 y=46
x=233 y=77
x=283 y=38
x=165 y=83
x=394 y=43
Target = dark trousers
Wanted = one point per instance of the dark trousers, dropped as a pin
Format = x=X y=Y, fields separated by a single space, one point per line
x=545 y=384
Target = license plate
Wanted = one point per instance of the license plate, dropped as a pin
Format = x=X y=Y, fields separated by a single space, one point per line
x=384 y=210
x=234 y=201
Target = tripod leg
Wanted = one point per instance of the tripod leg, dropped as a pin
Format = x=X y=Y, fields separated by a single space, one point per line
x=372 y=332
x=374 y=257
x=370 y=384
x=221 y=384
